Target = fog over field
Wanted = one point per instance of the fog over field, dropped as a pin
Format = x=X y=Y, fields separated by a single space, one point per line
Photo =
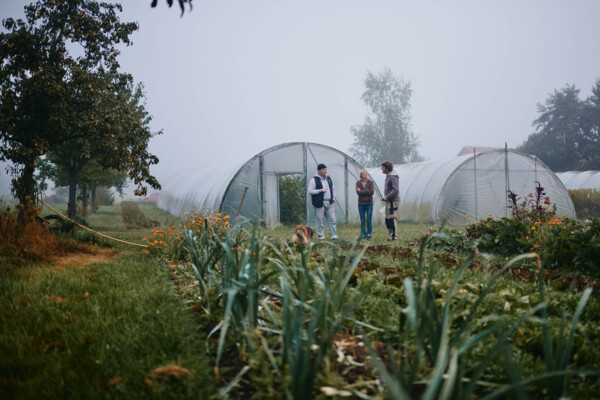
x=229 y=79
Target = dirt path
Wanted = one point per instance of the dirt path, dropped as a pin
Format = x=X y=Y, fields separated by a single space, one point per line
x=83 y=258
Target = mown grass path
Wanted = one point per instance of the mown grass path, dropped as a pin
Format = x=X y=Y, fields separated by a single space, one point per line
x=114 y=329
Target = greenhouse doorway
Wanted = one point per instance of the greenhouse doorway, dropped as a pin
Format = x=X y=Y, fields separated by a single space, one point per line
x=292 y=199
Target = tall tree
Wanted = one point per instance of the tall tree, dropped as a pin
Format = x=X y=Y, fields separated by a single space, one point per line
x=386 y=133
x=590 y=155
x=106 y=115
x=36 y=64
x=564 y=136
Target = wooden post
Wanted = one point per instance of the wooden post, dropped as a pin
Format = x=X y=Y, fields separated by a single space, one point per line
x=241 y=202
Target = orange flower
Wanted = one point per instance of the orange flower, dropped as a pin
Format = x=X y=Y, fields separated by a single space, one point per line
x=144 y=239
x=533 y=228
x=173 y=266
x=146 y=252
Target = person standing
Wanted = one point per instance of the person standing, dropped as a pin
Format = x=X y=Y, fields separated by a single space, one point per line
x=322 y=193
x=391 y=197
x=365 y=189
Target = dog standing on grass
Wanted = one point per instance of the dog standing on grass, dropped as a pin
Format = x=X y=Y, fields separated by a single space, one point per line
x=302 y=234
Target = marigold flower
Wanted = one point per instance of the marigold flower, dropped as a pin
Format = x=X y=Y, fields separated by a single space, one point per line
x=144 y=239
x=564 y=215
x=533 y=228
x=186 y=213
x=146 y=252
x=173 y=266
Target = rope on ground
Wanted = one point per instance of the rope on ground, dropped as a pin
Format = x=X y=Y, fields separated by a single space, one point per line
x=91 y=230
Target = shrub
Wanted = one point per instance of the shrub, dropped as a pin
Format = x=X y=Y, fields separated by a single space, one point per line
x=575 y=243
x=534 y=226
x=104 y=197
x=503 y=237
x=25 y=240
x=133 y=217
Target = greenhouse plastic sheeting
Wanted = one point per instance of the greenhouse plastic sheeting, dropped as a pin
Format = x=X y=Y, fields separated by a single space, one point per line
x=574 y=180
x=253 y=186
x=460 y=190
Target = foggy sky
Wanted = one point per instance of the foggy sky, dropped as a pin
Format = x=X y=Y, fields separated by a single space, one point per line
x=232 y=78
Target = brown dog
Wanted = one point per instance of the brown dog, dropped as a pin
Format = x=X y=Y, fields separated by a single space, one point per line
x=302 y=234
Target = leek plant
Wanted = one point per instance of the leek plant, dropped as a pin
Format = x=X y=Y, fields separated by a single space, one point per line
x=239 y=280
x=557 y=351
x=316 y=304
x=438 y=339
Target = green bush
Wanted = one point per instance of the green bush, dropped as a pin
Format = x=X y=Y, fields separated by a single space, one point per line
x=575 y=243
x=104 y=197
x=133 y=217
x=503 y=237
x=534 y=227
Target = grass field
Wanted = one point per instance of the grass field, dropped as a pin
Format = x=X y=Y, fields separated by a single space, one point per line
x=131 y=325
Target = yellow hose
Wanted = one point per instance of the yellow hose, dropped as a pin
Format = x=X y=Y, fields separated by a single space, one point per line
x=85 y=227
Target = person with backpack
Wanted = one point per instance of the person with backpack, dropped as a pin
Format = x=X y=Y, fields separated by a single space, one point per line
x=322 y=192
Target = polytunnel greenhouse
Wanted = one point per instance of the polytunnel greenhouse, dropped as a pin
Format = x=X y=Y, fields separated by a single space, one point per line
x=575 y=180
x=270 y=186
x=460 y=190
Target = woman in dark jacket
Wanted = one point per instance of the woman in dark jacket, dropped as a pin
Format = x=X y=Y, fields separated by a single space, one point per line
x=365 y=189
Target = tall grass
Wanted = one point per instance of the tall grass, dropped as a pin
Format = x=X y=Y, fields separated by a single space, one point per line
x=102 y=331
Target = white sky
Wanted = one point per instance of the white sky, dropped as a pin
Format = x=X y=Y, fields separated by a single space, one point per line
x=232 y=78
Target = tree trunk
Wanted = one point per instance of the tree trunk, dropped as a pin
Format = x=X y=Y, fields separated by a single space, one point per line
x=84 y=201
x=94 y=206
x=72 y=206
x=24 y=190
